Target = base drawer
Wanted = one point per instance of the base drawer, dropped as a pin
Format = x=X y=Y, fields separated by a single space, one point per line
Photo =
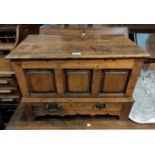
x=50 y=110
x=63 y=109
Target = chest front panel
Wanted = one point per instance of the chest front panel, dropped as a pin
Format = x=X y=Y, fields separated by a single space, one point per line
x=68 y=78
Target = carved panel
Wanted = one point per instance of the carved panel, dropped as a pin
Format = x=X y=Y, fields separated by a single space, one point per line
x=114 y=81
x=40 y=81
x=78 y=81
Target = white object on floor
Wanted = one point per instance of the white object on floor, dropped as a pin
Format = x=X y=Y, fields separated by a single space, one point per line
x=143 y=110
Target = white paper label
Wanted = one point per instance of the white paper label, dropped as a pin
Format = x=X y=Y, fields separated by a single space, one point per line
x=76 y=53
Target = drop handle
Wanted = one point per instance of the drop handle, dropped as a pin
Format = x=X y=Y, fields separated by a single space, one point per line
x=53 y=107
x=100 y=105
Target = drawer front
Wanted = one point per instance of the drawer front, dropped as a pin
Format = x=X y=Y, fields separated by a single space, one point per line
x=5 y=75
x=76 y=108
x=8 y=82
x=9 y=98
x=8 y=91
x=70 y=78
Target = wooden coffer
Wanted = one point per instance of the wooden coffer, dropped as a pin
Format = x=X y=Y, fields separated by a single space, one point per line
x=85 y=75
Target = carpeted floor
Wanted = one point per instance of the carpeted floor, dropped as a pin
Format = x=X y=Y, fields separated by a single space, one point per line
x=143 y=110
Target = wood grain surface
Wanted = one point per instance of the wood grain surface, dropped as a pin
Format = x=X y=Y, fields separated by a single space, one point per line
x=59 y=47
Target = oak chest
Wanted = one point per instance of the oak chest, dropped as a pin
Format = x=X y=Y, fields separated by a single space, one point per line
x=77 y=75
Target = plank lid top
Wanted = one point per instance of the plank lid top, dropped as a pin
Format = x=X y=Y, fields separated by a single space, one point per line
x=84 y=46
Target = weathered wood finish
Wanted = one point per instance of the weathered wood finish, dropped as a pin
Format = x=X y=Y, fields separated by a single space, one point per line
x=96 y=77
x=84 y=31
x=17 y=123
x=65 y=47
x=36 y=83
x=77 y=108
x=78 y=79
x=70 y=75
x=114 y=81
x=21 y=79
x=75 y=99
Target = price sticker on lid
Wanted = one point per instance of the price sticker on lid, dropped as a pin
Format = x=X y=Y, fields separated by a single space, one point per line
x=76 y=53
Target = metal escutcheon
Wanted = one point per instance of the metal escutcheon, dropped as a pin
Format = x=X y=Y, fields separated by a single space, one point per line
x=100 y=105
x=53 y=107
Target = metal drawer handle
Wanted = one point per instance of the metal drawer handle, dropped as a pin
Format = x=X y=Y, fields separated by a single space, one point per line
x=53 y=107
x=100 y=105
x=7 y=100
x=5 y=91
x=4 y=82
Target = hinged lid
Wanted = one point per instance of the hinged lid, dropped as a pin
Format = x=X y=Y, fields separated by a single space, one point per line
x=60 y=47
